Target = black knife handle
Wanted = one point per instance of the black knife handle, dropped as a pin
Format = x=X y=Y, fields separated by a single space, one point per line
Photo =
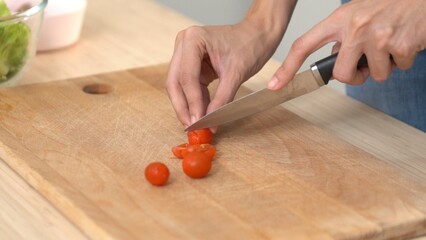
x=325 y=66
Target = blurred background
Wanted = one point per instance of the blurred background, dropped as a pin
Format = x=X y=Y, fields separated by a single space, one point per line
x=218 y=12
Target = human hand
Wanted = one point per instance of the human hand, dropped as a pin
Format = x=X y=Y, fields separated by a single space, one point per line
x=230 y=53
x=379 y=29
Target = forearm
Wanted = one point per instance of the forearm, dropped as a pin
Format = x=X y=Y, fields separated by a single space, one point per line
x=271 y=17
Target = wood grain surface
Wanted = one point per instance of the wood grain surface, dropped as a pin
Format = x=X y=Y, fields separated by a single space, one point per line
x=276 y=175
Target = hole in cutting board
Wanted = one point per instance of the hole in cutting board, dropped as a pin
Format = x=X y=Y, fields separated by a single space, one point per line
x=97 y=88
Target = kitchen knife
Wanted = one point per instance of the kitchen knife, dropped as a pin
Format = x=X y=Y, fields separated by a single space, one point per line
x=318 y=75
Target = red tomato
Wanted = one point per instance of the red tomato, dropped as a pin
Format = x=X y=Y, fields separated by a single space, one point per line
x=206 y=148
x=200 y=136
x=179 y=150
x=196 y=164
x=157 y=173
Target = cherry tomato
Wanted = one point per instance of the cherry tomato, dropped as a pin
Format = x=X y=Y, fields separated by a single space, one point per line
x=206 y=148
x=179 y=150
x=157 y=173
x=200 y=136
x=196 y=164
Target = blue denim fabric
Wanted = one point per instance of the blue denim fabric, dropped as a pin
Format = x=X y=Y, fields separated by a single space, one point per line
x=402 y=95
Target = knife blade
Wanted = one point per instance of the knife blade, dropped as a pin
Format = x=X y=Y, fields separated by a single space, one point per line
x=307 y=81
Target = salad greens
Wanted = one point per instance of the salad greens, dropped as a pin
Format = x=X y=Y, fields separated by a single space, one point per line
x=14 y=41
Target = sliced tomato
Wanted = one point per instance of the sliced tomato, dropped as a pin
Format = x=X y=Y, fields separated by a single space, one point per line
x=200 y=136
x=205 y=148
x=179 y=150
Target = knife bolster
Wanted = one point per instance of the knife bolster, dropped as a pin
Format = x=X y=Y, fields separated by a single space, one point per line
x=317 y=75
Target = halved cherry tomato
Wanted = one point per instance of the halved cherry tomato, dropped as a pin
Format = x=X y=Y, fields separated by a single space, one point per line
x=179 y=150
x=200 y=136
x=196 y=164
x=157 y=173
x=206 y=148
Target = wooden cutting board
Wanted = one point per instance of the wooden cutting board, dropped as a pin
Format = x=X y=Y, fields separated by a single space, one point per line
x=275 y=176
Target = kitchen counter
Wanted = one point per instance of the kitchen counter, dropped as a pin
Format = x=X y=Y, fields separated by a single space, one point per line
x=142 y=33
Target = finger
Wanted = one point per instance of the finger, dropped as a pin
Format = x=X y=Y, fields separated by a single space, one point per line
x=403 y=60
x=208 y=74
x=336 y=48
x=174 y=90
x=177 y=98
x=380 y=65
x=299 y=51
x=345 y=69
x=189 y=78
x=206 y=102
x=225 y=93
x=404 y=63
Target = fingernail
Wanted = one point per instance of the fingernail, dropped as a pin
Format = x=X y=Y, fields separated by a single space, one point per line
x=213 y=130
x=193 y=119
x=273 y=83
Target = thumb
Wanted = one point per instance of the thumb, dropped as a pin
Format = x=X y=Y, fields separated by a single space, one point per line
x=225 y=93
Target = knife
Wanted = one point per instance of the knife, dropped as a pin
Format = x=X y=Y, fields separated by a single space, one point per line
x=317 y=76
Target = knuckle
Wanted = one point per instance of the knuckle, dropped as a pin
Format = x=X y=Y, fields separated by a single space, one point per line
x=359 y=21
x=381 y=37
x=383 y=33
x=299 y=44
x=189 y=33
x=193 y=32
x=341 y=76
x=378 y=76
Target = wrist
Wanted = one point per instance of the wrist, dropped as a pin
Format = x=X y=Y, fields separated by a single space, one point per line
x=270 y=17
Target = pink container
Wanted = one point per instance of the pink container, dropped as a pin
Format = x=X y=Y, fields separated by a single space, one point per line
x=62 y=24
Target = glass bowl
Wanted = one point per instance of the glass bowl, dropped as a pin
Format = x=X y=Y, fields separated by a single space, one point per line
x=18 y=37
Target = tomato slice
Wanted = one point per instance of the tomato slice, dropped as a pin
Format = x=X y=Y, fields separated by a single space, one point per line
x=196 y=165
x=205 y=148
x=200 y=136
x=179 y=150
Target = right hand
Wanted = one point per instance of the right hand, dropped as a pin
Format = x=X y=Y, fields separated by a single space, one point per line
x=231 y=54
x=379 y=29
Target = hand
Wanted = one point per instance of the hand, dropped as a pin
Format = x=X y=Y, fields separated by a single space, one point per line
x=202 y=54
x=379 y=29
x=231 y=53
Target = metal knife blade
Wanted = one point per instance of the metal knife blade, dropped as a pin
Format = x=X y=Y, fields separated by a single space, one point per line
x=318 y=75
x=263 y=99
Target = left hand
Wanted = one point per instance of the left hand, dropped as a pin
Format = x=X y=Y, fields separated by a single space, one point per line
x=379 y=29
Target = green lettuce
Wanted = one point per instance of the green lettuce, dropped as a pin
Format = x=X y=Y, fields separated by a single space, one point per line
x=4 y=10
x=14 y=41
